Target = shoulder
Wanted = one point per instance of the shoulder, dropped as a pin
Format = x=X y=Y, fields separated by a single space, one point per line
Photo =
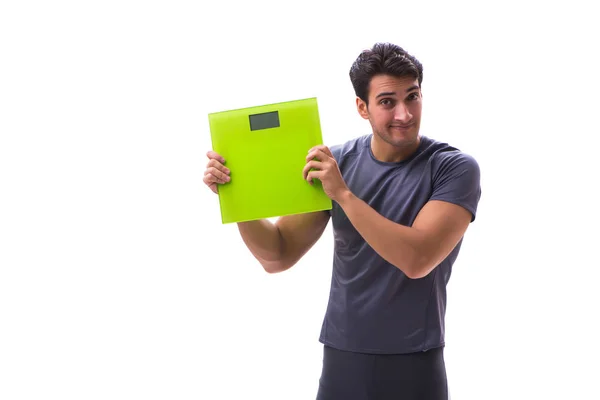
x=455 y=177
x=444 y=157
x=350 y=148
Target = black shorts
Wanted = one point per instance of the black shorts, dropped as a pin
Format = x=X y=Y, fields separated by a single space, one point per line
x=358 y=376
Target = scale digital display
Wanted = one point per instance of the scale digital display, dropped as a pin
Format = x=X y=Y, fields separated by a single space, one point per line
x=264 y=121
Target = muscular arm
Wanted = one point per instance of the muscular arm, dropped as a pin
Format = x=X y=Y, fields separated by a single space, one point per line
x=279 y=246
x=415 y=250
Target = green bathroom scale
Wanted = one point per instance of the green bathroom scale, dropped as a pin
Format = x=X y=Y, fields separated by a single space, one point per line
x=265 y=148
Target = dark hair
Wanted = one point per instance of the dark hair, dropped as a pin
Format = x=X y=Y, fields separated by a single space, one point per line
x=382 y=58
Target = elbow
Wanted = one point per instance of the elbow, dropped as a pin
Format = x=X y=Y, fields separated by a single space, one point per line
x=271 y=263
x=279 y=262
x=418 y=268
x=415 y=274
x=273 y=267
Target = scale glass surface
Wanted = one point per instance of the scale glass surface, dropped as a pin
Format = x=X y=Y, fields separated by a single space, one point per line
x=265 y=148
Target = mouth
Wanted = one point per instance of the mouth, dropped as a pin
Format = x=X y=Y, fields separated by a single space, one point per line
x=403 y=127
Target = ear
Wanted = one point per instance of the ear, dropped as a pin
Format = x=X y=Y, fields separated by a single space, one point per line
x=361 y=107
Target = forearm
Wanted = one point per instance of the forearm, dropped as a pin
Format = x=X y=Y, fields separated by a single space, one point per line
x=262 y=239
x=401 y=246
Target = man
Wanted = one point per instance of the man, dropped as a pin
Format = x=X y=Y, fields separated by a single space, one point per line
x=401 y=205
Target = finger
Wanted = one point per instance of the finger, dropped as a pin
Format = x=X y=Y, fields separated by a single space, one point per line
x=322 y=148
x=217 y=173
x=215 y=156
x=312 y=155
x=326 y=150
x=311 y=165
x=215 y=179
x=319 y=146
x=314 y=175
x=218 y=165
x=317 y=154
x=210 y=178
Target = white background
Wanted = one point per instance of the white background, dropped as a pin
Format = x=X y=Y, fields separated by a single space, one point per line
x=117 y=279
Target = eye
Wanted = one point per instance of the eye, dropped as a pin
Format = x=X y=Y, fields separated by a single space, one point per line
x=386 y=102
x=413 y=96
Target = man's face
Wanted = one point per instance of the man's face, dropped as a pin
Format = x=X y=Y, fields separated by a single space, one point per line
x=394 y=109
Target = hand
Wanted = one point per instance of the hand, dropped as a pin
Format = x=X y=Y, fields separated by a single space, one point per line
x=216 y=172
x=326 y=170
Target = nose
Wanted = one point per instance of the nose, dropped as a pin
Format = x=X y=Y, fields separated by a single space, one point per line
x=401 y=113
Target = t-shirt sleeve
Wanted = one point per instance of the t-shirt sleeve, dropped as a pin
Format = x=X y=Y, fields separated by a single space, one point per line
x=457 y=181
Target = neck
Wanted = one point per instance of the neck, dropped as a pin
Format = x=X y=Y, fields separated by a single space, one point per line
x=386 y=152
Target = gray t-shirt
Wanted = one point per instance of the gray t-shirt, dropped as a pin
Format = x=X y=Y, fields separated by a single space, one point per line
x=373 y=307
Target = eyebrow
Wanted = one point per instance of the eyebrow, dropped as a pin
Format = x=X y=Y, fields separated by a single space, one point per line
x=410 y=89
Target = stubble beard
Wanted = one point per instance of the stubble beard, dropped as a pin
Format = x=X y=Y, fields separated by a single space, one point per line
x=400 y=144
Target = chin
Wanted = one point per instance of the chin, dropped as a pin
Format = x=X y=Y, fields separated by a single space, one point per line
x=398 y=138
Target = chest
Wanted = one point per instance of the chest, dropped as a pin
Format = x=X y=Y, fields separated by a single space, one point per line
x=397 y=194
